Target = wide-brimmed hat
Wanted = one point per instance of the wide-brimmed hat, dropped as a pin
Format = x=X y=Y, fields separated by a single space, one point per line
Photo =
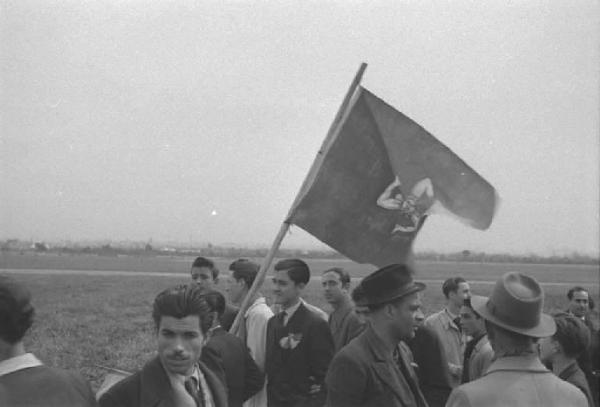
x=516 y=304
x=389 y=283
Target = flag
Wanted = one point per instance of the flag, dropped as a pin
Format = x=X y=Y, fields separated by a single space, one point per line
x=377 y=179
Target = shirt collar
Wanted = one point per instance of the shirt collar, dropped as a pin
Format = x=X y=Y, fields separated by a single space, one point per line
x=292 y=310
x=257 y=302
x=18 y=363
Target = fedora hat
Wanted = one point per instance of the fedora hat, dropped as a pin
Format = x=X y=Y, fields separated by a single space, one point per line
x=516 y=304
x=389 y=283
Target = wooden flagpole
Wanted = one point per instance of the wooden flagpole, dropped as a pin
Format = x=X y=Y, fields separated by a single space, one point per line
x=285 y=226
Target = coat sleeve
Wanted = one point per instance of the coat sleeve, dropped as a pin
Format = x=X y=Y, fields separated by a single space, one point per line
x=254 y=378
x=256 y=327
x=321 y=349
x=346 y=381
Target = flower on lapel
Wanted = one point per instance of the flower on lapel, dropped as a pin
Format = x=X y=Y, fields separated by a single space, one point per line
x=290 y=341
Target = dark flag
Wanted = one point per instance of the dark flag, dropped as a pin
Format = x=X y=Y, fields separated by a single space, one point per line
x=376 y=180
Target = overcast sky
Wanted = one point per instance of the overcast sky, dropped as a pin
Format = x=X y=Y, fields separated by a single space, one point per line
x=197 y=121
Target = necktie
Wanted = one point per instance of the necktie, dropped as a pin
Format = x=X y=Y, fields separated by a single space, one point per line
x=192 y=388
x=457 y=322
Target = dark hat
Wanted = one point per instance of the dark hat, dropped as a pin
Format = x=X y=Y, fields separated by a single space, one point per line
x=516 y=305
x=389 y=283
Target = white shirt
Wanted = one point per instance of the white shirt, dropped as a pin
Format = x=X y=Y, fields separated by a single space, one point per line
x=18 y=362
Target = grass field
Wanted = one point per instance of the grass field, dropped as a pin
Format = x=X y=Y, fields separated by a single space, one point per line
x=86 y=320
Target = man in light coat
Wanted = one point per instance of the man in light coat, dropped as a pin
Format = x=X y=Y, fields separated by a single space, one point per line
x=514 y=322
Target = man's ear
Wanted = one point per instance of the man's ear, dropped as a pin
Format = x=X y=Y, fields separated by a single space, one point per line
x=301 y=285
x=216 y=280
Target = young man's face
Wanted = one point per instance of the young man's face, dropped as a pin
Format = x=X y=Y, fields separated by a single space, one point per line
x=579 y=304
x=236 y=289
x=285 y=291
x=407 y=315
x=333 y=289
x=180 y=342
x=462 y=293
x=203 y=277
x=469 y=322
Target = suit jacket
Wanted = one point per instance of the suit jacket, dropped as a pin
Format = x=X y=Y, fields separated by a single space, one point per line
x=292 y=366
x=574 y=375
x=150 y=387
x=453 y=341
x=432 y=366
x=364 y=374
x=344 y=326
x=45 y=386
x=242 y=375
x=517 y=381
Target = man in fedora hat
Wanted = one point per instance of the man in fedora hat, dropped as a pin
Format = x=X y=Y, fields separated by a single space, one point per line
x=369 y=371
x=515 y=322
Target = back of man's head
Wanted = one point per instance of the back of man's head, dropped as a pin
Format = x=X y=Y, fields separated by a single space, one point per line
x=572 y=334
x=216 y=302
x=182 y=301
x=244 y=269
x=297 y=270
x=16 y=311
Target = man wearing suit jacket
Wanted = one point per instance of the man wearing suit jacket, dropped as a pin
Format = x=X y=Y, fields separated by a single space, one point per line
x=299 y=344
x=206 y=275
x=24 y=380
x=175 y=378
x=242 y=375
x=369 y=371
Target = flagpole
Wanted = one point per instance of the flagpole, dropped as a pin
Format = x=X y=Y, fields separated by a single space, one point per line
x=285 y=226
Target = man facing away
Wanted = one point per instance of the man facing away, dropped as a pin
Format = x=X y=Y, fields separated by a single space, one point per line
x=560 y=351
x=242 y=376
x=343 y=321
x=24 y=380
x=446 y=324
x=514 y=323
x=253 y=327
x=299 y=344
x=175 y=377
x=369 y=371
x=206 y=275
x=478 y=352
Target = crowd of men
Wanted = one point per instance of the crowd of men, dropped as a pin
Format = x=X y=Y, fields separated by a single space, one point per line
x=375 y=348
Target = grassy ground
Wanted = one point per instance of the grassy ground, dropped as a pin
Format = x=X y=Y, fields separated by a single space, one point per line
x=83 y=321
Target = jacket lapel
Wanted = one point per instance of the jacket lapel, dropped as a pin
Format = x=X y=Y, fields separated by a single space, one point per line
x=155 y=385
x=388 y=372
x=216 y=386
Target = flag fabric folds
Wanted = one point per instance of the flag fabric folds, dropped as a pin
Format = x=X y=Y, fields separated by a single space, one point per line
x=378 y=177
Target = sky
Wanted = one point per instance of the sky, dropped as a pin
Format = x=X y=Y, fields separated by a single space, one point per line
x=197 y=121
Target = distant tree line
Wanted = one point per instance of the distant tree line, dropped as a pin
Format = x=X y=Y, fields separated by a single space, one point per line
x=210 y=250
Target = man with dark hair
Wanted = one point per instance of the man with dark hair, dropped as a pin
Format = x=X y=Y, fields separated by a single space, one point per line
x=299 y=344
x=370 y=371
x=446 y=324
x=560 y=351
x=242 y=376
x=514 y=323
x=478 y=352
x=253 y=328
x=581 y=306
x=24 y=380
x=205 y=274
x=175 y=377
x=343 y=322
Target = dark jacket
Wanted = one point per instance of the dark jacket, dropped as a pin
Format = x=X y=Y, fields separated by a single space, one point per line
x=150 y=387
x=45 y=386
x=242 y=375
x=432 y=366
x=574 y=375
x=292 y=371
x=364 y=374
